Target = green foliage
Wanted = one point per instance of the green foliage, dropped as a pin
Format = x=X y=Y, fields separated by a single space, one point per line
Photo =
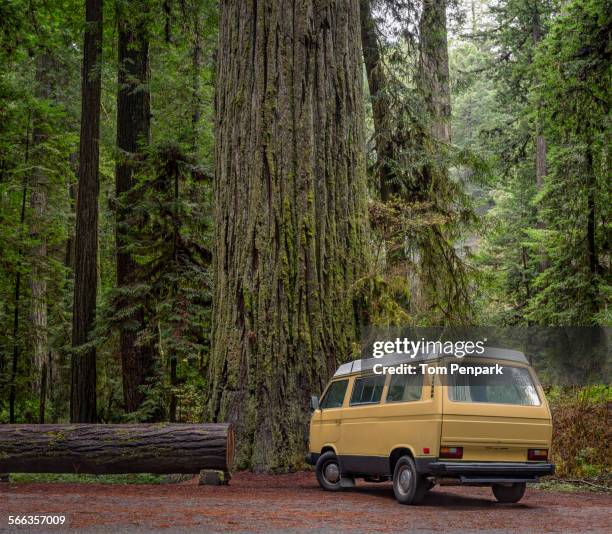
x=37 y=139
x=169 y=235
x=538 y=68
x=574 y=67
x=175 y=293
x=579 y=431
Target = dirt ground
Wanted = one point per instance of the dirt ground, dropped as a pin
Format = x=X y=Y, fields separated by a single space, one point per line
x=294 y=503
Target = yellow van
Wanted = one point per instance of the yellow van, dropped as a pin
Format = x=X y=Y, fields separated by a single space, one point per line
x=379 y=422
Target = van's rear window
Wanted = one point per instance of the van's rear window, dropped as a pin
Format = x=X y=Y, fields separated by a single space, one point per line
x=514 y=386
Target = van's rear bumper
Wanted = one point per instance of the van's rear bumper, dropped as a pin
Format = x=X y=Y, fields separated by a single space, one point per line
x=487 y=472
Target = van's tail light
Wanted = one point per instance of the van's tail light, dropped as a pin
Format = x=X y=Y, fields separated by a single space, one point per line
x=537 y=455
x=451 y=452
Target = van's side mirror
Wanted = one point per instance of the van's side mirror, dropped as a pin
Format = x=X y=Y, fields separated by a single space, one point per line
x=314 y=402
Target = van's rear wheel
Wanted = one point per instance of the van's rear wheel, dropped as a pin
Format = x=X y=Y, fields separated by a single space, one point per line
x=508 y=494
x=328 y=472
x=408 y=485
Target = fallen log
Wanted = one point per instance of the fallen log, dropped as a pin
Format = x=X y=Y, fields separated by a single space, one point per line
x=108 y=449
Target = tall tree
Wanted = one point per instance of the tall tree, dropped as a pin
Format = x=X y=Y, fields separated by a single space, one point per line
x=433 y=76
x=290 y=216
x=38 y=223
x=441 y=289
x=381 y=113
x=540 y=156
x=83 y=397
x=17 y=286
x=133 y=134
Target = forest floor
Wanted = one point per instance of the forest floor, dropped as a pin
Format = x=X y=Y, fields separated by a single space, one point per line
x=294 y=503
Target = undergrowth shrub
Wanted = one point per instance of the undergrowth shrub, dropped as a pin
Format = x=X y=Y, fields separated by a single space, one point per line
x=581 y=432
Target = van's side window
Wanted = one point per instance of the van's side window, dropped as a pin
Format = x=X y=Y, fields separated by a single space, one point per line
x=334 y=397
x=405 y=388
x=368 y=389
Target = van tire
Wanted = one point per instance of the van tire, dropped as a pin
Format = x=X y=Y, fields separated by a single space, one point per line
x=327 y=469
x=408 y=486
x=509 y=494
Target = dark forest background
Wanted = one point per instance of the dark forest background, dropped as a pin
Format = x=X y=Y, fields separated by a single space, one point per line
x=203 y=204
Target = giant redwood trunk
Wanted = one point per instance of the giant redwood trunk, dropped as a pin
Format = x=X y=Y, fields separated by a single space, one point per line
x=133 y=133
x=83 y=394
x=289 y=209
x=106 y=449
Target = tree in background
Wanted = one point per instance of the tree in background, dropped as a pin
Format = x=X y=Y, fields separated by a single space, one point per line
x=36 y=114
x=573 y=66
x=542 y=252
x=39 y=184
x=510 y=134
x=290 y=217
x=133 y=135
x=83 y=407
x=378 y=84
x=433 y=76
x=424 y=211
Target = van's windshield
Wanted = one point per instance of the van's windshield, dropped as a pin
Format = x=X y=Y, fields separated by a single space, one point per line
x=514 y=386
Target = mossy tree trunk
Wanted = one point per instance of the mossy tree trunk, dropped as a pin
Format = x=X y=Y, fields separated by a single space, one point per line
x=290 y=216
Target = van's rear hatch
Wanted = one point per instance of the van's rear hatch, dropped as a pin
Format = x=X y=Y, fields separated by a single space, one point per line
x=494 y=417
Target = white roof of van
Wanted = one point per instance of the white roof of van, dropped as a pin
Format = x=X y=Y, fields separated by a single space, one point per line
x=365 y=364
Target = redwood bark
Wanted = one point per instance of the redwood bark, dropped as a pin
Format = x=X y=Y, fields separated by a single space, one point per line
x=83 y=394
x=290 y=210
x=133 y=132
x=107 y=449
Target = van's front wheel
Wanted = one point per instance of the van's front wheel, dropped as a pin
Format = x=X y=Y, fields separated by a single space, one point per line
x=509 y=494
x=328 y=472
x=408 y=486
